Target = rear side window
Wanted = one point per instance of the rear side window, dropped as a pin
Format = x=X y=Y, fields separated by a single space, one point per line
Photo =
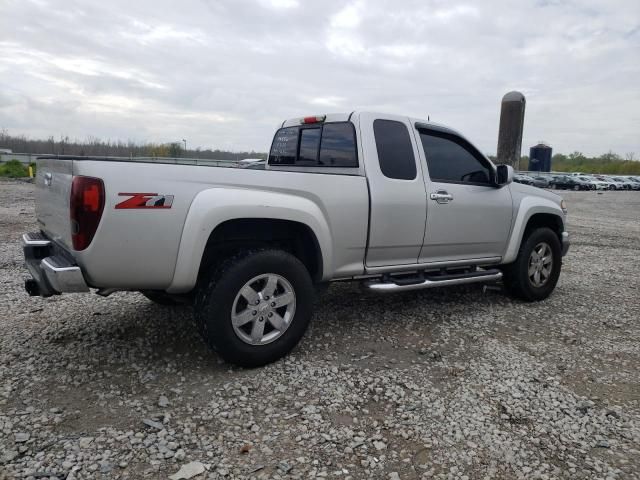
x=338 y=148
x=451 y=159
x=395 y=152
x=329 y=145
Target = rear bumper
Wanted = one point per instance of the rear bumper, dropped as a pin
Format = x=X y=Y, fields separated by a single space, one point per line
x=51 y=270
x=565 y=243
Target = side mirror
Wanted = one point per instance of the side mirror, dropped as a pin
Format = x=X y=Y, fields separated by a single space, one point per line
x=504 y=174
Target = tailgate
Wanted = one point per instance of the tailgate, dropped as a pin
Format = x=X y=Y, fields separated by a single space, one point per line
x=53 y=190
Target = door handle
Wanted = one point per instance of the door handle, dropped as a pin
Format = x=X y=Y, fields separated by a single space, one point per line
x=441 y=196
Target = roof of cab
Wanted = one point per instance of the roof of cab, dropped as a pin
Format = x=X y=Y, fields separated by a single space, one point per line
x=416 y=122
x=343 y=117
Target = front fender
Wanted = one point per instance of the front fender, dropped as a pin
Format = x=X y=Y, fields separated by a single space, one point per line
x=214 y=206
x=529 y=206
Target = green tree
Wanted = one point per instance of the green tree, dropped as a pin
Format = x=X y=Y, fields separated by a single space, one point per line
x=610 y=157
x=576 y=157
x=175 y=150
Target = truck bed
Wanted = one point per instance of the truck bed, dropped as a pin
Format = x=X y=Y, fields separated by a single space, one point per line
x=138 y=248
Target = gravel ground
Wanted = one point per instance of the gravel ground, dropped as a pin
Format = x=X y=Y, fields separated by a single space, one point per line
x=452 y=383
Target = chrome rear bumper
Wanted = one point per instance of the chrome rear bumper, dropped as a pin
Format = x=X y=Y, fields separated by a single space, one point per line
x=53 y=273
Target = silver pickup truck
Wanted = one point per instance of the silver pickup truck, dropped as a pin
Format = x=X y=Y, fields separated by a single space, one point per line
x=396 y=203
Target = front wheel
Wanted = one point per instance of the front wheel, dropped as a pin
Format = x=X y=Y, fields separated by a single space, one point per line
x=535 y=272
x=255 y=306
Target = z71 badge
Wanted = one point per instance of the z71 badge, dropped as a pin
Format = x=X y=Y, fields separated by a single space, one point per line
x=145 y=200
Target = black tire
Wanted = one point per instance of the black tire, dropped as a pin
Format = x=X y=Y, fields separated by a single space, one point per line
x=218 y=290
x=161 y=298
x=516 y=278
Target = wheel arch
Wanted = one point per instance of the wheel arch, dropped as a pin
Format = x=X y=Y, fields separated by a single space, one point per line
x=291 y=236
x=533 y=213
x=217 y=214
x=550 y=220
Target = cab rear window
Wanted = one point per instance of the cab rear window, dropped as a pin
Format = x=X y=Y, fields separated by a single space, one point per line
x=327 y=145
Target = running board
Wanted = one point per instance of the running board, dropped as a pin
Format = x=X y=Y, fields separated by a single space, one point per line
x=436 y=281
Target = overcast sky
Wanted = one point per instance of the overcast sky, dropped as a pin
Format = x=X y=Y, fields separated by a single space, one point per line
x=224 y=74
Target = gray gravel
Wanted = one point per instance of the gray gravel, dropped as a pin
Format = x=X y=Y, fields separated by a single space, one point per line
x=458 y=384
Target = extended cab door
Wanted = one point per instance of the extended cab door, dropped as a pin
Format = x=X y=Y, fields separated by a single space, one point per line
x=396 y=190
x=467 y=216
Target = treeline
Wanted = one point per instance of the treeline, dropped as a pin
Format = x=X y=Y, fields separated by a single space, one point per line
x=107 y=148
x=609 y=163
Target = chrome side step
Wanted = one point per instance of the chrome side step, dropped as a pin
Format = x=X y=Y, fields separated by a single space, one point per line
x=433 y=281
x=35 y=239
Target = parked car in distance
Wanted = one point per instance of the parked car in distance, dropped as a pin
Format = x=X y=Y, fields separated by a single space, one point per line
x=597 y=184
x=253 y=163
x=569 y=182
x=612 y=183
x=540 y=181
x=523 y=179
x=626 y=183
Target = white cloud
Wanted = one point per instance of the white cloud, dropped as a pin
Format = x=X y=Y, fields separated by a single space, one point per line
x=349 y=17
x=280 y=3
x=149 y=34
x=330 y=101
x=450 y=13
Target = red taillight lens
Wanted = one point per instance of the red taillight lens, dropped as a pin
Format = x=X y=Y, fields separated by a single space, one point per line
x=315 y=119
x=86 y=205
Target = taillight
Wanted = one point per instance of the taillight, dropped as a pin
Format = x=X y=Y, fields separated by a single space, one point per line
x=86 y=205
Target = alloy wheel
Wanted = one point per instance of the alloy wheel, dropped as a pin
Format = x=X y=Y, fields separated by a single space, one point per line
x=540 y=264
x=263 y=309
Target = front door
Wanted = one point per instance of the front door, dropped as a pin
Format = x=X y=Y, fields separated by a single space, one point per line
x=467 y=216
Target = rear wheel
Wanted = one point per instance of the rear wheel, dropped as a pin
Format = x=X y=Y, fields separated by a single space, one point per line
x=535 y=272
x=255 y=306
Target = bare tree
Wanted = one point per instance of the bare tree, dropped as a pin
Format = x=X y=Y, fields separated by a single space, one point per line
x=111 y=148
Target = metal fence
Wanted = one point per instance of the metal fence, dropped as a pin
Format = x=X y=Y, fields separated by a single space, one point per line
x=535 y=173
x=27 y=158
